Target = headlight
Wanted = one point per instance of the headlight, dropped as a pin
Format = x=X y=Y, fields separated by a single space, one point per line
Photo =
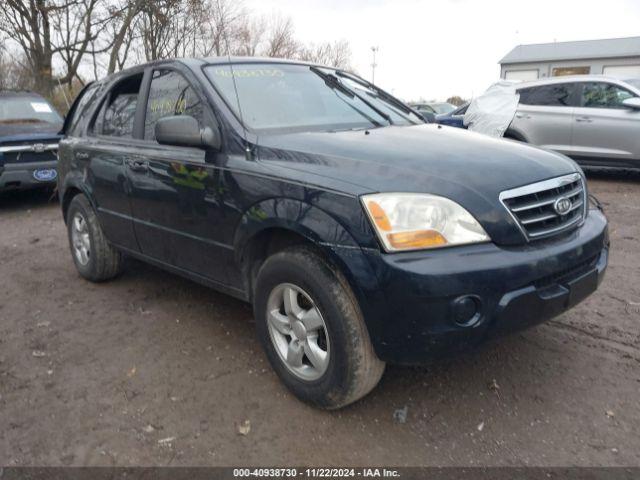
x=413 y=221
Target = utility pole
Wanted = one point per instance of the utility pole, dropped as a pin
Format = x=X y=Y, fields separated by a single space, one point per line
x=374 y=50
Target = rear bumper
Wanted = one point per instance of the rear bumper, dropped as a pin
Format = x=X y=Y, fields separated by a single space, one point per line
x=15 y=176
x=417 y=312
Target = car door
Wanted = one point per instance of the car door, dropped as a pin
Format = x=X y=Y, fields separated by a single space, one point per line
x=605 y=131
x=104 y=153
x=544 y=115
x=175 y=190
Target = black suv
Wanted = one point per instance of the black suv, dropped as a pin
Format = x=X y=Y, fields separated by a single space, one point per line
x=360 y=234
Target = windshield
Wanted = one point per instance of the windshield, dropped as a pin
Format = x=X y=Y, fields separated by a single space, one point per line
x=27 y=109
x=441 y=108
x=285 y=97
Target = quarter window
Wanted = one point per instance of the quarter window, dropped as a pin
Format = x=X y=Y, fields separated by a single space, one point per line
x=604 y=95
x=80 y=113
x=556 y=95
x=170 y=94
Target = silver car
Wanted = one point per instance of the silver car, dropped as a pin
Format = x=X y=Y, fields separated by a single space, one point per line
x=591 y=118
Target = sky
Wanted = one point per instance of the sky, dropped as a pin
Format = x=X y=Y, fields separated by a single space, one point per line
x=433 y=49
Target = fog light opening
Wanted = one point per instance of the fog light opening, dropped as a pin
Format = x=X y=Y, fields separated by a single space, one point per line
x=467 y=310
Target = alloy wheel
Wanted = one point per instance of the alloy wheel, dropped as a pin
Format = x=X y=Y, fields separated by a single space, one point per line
x=298 y=331
x=80 y=239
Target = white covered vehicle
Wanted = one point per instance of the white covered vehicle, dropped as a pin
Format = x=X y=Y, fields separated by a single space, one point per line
x=492 y=112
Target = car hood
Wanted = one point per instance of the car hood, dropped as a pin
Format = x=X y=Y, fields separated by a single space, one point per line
x=469 y=168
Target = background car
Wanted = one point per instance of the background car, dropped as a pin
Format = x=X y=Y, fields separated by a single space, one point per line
x=593 y=119
x=29 y=137
x=431 y=110
x=454 y=118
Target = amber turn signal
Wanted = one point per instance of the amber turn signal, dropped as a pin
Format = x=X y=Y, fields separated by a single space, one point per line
x=418 y=239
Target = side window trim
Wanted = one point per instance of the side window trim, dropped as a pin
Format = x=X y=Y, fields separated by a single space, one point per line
x=576 y=94
x=141 y=109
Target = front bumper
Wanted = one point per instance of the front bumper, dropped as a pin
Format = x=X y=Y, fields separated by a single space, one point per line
x=414 y=314
x=16 y=176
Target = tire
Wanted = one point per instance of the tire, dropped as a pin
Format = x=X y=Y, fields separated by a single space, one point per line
x=100 y=260
x=350 y=369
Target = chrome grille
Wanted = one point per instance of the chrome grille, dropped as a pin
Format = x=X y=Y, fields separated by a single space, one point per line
x=25 y=152
x=538 y=208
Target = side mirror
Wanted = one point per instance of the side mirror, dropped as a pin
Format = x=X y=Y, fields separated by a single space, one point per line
x=184 y=131
x=633 y=103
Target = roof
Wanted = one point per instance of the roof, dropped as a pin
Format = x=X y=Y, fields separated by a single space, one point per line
x=196 y=62
x=607 y=48
x=576 y=78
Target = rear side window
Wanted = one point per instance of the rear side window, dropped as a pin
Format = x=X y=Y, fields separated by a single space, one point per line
x=604 y=95
x=170 y=94
x=555 y=95
x=117 y=114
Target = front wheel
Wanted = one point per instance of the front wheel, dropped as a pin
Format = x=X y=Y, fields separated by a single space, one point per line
x=312 y=330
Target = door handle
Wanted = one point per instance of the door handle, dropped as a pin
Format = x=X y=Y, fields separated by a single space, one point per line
x=82 y=156
x=584 y=120
x=526 y=116
x=138 y=165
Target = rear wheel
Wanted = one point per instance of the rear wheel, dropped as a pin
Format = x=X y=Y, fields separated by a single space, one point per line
x=312 y=331
x=94 y=257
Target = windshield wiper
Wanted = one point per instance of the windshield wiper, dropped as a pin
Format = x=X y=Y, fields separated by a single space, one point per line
x=333 y=82
x=381 y=94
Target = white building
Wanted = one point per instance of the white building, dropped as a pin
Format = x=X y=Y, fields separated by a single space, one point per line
x=618 y=57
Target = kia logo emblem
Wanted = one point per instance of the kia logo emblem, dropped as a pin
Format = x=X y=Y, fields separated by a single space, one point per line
x=562 y=205
x=38 y=147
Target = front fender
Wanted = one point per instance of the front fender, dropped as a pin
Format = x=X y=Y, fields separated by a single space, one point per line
x=297 y=216
x=324 y=231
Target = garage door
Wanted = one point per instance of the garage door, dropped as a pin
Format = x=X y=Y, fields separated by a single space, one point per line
x=622 y=71
x=524 y=75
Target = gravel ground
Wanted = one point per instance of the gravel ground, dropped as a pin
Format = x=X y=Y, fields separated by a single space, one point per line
x=151 y=369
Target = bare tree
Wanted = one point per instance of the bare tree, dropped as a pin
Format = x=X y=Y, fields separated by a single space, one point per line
x=223 y=27
x=74 y=29
x=110 y=34
x=251 y=36
x=15 y=72
x=280 y=41
x=123 y=32
x=456 y=100
x=337 y=54
x=44 y=29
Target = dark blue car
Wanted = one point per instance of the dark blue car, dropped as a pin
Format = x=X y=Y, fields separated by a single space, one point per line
x=360 y=234
x=455 y=118
x=29 y=138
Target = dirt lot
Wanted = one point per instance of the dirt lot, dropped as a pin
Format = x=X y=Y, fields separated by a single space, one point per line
x=151 y=369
